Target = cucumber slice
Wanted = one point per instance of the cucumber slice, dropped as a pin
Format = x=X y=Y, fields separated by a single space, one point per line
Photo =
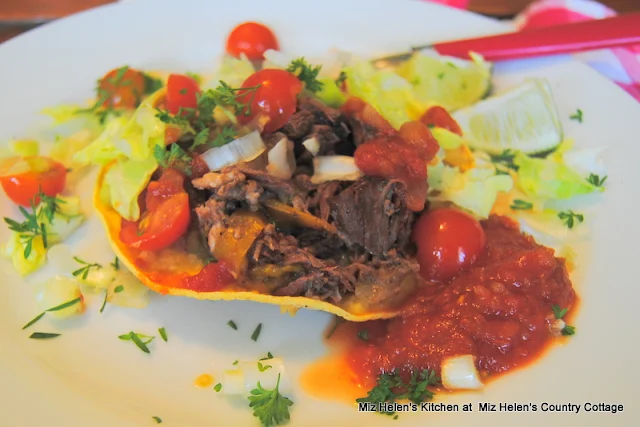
x=450 y=82
x=523 y=119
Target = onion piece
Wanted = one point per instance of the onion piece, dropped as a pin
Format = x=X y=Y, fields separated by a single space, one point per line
x=243 y=149
x=312 y=145
x=282 y=161
x=460 y=373
x=246 y=377
x=58 y=291
x=332 y=168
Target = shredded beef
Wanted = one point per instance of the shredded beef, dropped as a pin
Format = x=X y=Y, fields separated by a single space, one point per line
x=372 y=213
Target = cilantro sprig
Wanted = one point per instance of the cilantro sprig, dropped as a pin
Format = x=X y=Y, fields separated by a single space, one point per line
x=140 y=340
x=306 y=73
x=174 y=157
x=504 y=161
x=521 y=205
x=391 y=387
x=269 y=406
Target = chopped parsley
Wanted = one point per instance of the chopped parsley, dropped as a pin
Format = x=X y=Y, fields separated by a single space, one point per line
x=201 y=138
x=163 y=334
x=104 y=301
x=151 y=84
x=118 y=289
x=577 y=116
x=256 y=332
x=559 y=313
x=183 y=91
x=232 y=325
x=504 y=161
x=140 y=340
x=341 y=78
x=33 y=224
x=521 y=205
x=116 y=264
x=217 y=387
x=235 y=363
x=43 y=335
x=157 y=419
x=306 y=73
x=569 y=218
x=269 y=406
x=595 y=180
x=225 y=135
x=262 y=367
x=391 y=387
x=174 y=157
x=268 y=356
x=56 y=308
x=86 y=267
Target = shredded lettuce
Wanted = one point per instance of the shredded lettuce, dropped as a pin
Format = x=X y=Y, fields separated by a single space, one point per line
x=233 y=71
x=550 y=178
x=390 y=94
x=475 y=190
x=447 y=139
x=330 y=93
x=124 y=181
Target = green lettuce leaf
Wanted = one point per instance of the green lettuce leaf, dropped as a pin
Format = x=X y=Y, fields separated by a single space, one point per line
x=124 y=182
x=233 y=71
x=475 y=190
x=330 y=93
x=550 y=178
x=386 y=91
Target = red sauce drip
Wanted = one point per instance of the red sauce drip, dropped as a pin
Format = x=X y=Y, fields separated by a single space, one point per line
x=499 y=310
x=439 y=117
x=215 y=276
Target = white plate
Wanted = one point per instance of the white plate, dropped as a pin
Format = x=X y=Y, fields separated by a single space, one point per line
x=88 y=377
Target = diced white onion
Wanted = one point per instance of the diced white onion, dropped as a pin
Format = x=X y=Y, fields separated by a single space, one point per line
x=243 y=149
x=330 y=168
x=557 y=326
x=98 y=279
x=246 y=377
x=460 y=373
x=133 y=293
x=57 y=291
x=312 y=145
x=281 y=159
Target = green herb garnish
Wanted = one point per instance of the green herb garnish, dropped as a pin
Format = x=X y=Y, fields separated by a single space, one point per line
x=256 y=332
x=87 y=266
x=175 y=157
x=341 y=78
x=157 y=419
x=118 y=289
x=56 y=308
x=269 y=406
x=232 y=325
x=306 y=73
x=43 y=335
x=569 y=218
x=268 y=356
x=391 y=387
x=163 y=334
x=577 y=116
x=262 y=367
x=595 y=180
x=116 y=264
x=559 y=313
x=363 y=335
x=217 y=387
x=504 y=161
x=140 y=340
x=521 y=205
x=104 y=301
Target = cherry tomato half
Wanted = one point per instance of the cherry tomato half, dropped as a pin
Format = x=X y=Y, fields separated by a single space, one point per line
x=275 y=97
x=121 y=88
x=181 y=93
x=166 y=217
x=213 y=277
x=448 y=242
x=252 y=39
x=39 y=174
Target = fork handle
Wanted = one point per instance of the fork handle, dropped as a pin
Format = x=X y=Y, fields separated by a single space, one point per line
x=617 y=31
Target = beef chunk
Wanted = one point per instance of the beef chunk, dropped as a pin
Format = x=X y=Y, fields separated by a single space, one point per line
x=372 y=213
x=299 y=124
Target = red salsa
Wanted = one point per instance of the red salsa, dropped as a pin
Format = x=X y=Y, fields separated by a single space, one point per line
x=499 y=310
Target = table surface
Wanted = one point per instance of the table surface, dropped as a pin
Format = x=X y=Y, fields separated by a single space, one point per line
x=17 y=16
